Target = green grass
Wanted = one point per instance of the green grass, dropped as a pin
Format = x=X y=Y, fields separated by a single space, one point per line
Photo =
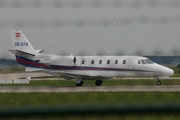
x=92 y=99
x=88 y=98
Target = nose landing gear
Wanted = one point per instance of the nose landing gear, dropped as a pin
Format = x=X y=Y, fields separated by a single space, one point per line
x=158 y=82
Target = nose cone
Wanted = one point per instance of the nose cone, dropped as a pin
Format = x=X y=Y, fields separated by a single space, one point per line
x=166 y=71
x=170 y=72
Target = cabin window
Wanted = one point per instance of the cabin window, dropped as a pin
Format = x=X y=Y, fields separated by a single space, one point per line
x=124 y=61
x=92 y=62
x=139 y=62
x=143 y=62
x=108 y=62
x=100 y=62
x=82 y=62
x=116 y=61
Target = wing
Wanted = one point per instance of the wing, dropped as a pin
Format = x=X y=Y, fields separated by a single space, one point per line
x=74 y=76
x=67 y=75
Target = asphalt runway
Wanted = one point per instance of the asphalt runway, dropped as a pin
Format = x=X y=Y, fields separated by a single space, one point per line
x=139 y=88
x=11 y=76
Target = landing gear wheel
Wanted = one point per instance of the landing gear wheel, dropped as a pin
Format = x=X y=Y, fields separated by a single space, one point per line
x=98 y=82
x=158 y=83
x=79 y=84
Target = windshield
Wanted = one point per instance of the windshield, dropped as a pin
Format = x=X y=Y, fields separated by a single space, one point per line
x=149 y=61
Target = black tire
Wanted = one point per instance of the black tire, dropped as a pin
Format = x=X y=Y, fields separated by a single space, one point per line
x=158 y=83
x=79 y=84
x=98 y=82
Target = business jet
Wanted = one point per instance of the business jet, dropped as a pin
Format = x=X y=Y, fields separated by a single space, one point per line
x=82 y=68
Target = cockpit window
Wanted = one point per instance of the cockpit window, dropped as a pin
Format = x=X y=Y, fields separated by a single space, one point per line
x=139 y=62
x=149 y=61
x=143 y=61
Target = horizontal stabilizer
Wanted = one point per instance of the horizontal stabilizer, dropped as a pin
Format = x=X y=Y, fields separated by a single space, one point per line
x=18 y=52
x=39 y=50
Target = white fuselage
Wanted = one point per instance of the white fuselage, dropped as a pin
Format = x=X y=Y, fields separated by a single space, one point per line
x=98 y=67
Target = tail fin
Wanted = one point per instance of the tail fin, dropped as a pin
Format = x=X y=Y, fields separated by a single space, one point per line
x=21 y=43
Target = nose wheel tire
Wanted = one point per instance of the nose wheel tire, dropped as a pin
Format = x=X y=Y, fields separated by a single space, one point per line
x=158 y=83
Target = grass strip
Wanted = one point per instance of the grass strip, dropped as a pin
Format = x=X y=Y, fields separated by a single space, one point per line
x=88 y=98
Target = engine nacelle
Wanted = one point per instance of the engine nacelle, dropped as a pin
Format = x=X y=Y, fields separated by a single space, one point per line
x=63 y=60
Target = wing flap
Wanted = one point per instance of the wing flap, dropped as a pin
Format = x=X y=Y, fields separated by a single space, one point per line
x=30 y=69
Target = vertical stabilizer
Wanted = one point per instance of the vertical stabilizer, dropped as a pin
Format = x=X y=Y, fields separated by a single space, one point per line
x=21 y=43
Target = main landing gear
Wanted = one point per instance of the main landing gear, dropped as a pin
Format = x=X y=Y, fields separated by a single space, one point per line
x=79 y=81
x=98 y=82
x=158 y=82
x=80 y=84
